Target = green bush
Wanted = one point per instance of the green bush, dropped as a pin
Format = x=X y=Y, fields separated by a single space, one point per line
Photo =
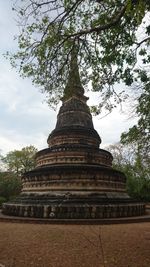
x=10 y=185
x=139 y=188
x=2 y=200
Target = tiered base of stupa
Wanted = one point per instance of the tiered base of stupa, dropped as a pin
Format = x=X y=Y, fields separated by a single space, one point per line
x=74 y=192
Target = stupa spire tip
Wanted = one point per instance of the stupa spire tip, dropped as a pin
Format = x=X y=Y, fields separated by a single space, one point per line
x=74 y=86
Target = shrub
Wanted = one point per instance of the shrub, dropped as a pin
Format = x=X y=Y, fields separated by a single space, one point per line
x=2 y=200
x=10 y=185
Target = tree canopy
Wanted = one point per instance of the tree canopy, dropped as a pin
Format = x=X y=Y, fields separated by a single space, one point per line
x=140 y=133
x=20 y=161
x=136 y=165
x=107 y=37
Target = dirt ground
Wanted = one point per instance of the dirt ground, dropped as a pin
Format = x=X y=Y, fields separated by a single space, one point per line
x=26 y=245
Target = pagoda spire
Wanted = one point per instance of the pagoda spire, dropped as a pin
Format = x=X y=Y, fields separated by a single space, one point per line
x=74 y=86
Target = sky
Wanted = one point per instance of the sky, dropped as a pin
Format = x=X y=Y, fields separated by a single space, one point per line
x=25 y=117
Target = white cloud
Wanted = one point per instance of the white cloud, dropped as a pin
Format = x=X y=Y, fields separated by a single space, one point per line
x=111 y=127
x=13 y=140
x=8 y=27
x=25 y=117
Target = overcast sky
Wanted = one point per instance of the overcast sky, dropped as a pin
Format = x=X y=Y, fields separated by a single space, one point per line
x=25 y=118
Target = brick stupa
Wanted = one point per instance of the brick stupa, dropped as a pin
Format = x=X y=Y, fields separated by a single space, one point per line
x=74 y=178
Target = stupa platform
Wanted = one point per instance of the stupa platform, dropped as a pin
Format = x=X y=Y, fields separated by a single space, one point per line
x=125 y=220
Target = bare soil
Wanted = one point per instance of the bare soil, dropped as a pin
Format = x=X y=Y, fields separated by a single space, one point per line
x=26 y=245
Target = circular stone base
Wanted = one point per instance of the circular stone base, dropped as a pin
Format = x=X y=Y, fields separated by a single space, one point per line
x=74 y=211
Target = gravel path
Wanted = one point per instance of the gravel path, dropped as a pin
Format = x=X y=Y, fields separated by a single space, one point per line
x=26 y=245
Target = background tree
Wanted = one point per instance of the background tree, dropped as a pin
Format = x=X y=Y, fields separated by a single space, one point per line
x=20 y=161
x=140 y=133
x=1 y=162
x=136 y=165
x=10 y=186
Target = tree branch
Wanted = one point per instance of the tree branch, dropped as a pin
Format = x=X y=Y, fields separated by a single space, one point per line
x=143 y=41
x=114 y=20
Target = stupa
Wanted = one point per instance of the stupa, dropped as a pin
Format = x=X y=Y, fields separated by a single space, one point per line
x=74 y=178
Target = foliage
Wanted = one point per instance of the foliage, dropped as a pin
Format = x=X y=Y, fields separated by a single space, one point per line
x=136 y=166
x=140 y=133
x=1 y=161
x=10 y=185
x=20 y=161
x=2 y=200
x=105 y=33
